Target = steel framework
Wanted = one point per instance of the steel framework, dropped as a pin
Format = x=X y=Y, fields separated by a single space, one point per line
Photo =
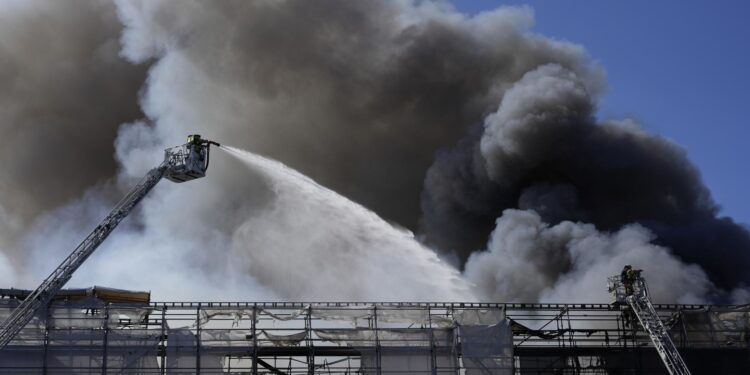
x=93 y=336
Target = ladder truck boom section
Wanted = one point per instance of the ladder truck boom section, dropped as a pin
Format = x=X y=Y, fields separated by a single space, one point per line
x=181 y=163
x=635 y=295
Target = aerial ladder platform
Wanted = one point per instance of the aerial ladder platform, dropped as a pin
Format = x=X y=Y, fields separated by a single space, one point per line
x=634 y=294
x=182 y=163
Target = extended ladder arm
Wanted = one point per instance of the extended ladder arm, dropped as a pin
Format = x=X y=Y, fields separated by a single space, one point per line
x=42 y=295
x=636 y=296
x=181 y=163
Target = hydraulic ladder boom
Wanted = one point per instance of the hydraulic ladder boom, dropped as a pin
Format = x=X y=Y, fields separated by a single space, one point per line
x=636 y=296
x=180 y=164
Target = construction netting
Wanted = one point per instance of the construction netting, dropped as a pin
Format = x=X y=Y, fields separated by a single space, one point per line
x=90 y=336
x=82 y=337
x=94 y=336
x=713 y=326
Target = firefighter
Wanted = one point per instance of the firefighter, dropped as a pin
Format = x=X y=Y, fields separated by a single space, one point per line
x=195 y=158
x=626 y=280
x=628 y=276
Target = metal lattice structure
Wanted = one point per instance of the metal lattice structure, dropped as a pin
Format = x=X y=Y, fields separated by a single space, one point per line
x=182 y=163
x=57 y=279
x=636 y=296
x=92 y=336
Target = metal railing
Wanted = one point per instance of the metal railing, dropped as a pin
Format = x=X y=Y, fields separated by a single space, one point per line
x=336 y=337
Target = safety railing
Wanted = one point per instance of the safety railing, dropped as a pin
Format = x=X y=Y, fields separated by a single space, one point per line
x=291 y=338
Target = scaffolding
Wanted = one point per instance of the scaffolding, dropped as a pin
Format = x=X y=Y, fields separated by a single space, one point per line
x=94 y=336
x=635 y=294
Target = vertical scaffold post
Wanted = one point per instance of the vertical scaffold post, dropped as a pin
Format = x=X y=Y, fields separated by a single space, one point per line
x=106 y=338
x=308 y=339
x=198 y=339
x=433 y=360
x=46 y=339
x=163 y=340
x=254 y=332
x=571 y=341
x=378 y=351
x=454 y=340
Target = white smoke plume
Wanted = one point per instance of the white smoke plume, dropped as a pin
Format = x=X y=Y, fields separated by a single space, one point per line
x=7 y=273
x=529 y=260
x=361 y=96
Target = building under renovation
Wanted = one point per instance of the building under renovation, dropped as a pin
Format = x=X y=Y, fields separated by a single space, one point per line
x=99 y=330
x=102 y=331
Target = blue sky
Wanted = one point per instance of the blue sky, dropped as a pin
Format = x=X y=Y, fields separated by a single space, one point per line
x=681 y=68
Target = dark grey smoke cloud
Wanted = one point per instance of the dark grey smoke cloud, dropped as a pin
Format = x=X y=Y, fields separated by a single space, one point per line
x=64 y=91
x=543 y=150
x=358 y=95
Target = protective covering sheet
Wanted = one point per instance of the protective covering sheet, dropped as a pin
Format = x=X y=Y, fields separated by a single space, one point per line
x=412 y=351
x=76 y=342
x=287 y=315
x=286 y=339
x=350 y=337
x=127 y=315
x=74 y=351
x=361 y=315
x=403 y=363
x=235 y=315
x=132 y=351
x=76 y=318
x=420 y=316
x=386 y=337
x=355 y=315
x=183 y=354
x=478 y=316
x=486 y=341
x=716 y=326
x=226 y=337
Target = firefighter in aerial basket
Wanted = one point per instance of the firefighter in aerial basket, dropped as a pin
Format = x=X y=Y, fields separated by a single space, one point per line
x=628 y=276
x=197 y=152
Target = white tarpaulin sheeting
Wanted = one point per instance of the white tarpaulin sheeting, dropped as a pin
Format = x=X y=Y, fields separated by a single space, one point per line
x=287 y=339
x=478 y=316
x=287 y=315
x=226 y=337
x=236 y=315
x=355 y=315
x=406 y=337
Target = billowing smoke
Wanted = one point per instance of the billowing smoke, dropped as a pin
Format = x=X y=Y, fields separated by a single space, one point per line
x=370 y=99
x=64 y=91
x=529 y=260
x=543 y=151
x=358 y=95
